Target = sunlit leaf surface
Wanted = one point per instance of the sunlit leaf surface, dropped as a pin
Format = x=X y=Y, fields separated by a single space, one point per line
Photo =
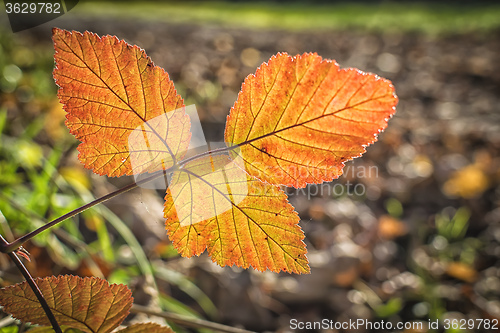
x=298 y=119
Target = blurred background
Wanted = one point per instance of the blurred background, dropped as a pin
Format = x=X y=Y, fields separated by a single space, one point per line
x=410 y=232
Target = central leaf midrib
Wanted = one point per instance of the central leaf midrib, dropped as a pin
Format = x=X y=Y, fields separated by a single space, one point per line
x=305 y=122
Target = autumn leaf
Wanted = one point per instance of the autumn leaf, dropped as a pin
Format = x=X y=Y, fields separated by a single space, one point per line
x=146 y=328
x=88 y=304
x=390 y=227
x=120 y=105
x=212 y=204
x=298 y=119
x=49 y=329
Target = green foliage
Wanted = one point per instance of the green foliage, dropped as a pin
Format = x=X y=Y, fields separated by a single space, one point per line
x=38 y=182
x=446 y=243
x=47 y=329
x=9 y=329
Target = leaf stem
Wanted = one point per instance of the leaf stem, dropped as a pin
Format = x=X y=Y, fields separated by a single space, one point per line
x=215 y=151
x=6 y=247
x=34 y=287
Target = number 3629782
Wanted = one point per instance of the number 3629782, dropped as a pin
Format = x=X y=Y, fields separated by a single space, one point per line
x=33 y=7
x=464 y=324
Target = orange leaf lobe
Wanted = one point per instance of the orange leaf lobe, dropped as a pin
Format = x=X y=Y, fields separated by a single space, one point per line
x=298 y=119
x=110 y=90
x=246 y=222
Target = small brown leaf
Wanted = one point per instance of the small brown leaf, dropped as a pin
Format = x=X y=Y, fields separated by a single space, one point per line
x=88 y=304
x=462 y=271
